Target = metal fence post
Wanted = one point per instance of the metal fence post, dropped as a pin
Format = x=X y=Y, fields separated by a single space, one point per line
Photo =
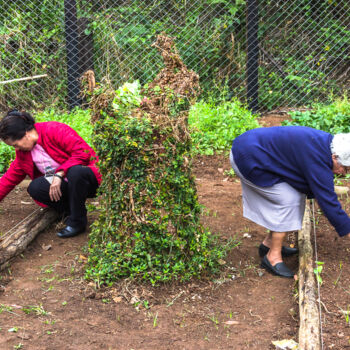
x=71 y=32
x=85 y=45
x=252 y=55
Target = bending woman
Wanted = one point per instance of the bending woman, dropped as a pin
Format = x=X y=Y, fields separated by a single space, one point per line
x=60 y=163
x=279 y=167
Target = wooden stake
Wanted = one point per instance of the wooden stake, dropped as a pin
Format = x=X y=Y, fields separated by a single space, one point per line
x=23 y=79
x=309 y=329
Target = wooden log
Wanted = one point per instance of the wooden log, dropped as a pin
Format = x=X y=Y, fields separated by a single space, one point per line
x=17 y=240
x=309 y=329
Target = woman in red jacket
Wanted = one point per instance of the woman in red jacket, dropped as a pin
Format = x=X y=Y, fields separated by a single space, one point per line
x=60 y=163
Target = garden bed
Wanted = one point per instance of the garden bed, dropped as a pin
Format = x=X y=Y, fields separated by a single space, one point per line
x=46 y=304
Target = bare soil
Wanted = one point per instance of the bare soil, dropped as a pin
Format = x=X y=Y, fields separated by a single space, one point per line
x=45 y=303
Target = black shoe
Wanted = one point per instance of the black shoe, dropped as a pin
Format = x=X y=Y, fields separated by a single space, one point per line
x=70 y=231
x=286 y=251
x=280 y=269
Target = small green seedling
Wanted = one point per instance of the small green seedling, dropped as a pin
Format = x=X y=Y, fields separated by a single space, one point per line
x=36 y=309
x=340 y=272
x=318 y=271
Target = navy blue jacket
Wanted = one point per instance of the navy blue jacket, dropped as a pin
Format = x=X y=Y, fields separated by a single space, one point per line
x=298 y=155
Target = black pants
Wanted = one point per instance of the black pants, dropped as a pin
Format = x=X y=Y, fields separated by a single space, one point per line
x=82 y=184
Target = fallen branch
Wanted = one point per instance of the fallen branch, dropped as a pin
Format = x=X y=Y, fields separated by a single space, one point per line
x=23 y=79
x=18 y=240
x=309 y=329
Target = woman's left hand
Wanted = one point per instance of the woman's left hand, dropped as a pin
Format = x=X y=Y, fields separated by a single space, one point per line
x=55 y=189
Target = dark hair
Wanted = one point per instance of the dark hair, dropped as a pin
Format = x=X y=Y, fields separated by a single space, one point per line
x=15 y=124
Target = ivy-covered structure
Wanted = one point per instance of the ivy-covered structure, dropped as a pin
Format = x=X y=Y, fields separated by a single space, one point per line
x=149 y=223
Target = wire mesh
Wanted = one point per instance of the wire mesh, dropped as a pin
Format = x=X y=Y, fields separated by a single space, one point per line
x=303 y=44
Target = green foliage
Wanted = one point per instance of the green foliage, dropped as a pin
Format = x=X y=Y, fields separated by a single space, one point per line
x=333 y=118
x=78 y=119
x=7 y=155
x=307 y=41
x=318 y=270
x=148 y=228
x=32 y=43
x=215 y=125
x=202 y=32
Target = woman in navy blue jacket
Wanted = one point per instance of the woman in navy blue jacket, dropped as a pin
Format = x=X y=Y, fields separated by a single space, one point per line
x=279 y=167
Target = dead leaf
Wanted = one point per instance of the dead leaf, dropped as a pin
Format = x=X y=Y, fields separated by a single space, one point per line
x=23 y=202
x=339 y=190
x=82 y=257
x=117 y=299
x=23 y=336
x=285 y=344
x=231 y=322
x=46 y=247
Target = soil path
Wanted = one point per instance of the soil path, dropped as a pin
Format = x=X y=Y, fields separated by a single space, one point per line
x=46 y=304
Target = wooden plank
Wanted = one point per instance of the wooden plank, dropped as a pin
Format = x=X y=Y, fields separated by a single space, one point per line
x=309 y=329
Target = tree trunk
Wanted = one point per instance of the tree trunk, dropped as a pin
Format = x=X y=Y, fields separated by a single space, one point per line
x=17 y=241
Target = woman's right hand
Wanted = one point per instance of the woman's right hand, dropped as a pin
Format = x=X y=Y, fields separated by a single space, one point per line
x=55 y=189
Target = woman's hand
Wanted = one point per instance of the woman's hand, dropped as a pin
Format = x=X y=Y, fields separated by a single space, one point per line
x=55 y=189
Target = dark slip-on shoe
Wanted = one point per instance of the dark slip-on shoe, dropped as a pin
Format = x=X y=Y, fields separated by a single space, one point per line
x=280 y=269
x=286 y=251
x=70 y=231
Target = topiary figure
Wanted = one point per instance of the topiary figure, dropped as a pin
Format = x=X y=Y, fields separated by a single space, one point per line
x=148 y=226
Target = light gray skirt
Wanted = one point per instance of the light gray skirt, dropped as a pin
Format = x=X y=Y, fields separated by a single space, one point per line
x=279 y=208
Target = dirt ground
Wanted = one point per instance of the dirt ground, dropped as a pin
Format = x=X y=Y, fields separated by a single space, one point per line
x=46 y=304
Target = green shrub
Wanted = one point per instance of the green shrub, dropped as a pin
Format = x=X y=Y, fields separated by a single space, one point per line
x=333 y=118
x=214 y=126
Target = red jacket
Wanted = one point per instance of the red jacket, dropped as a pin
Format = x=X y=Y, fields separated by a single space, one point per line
x=62 y=144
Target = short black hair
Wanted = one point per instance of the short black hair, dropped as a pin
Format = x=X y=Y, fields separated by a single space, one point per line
x=15 y=124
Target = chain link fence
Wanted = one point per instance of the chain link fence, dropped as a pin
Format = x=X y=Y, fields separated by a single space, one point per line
x=304 y=53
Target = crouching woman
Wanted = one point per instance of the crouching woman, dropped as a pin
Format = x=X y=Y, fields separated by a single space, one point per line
x=60 y=163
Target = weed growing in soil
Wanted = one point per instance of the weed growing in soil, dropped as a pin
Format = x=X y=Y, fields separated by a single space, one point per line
x=35 y=309
x=318 y=271
x=5 y=308
x=340 y=272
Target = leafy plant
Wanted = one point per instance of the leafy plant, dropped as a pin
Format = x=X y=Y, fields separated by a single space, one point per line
x=333 y=118
x=214 y=126
x=318 y=271
x=35 y=309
